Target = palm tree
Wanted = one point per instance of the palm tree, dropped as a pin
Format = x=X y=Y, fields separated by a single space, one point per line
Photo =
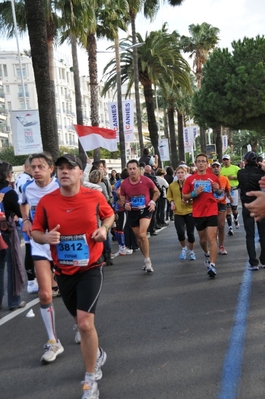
x=52 y=21
x=150 y=9
x=160 y=64
x=202 y=41
x=75 y=15
x=35 y=14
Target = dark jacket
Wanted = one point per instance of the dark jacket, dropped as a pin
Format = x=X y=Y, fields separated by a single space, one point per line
x=10 y=202
x=248 y=179
x=155 y=181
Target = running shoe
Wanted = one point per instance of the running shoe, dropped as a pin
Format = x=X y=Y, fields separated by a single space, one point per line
x=237 y=223
x=230 y=231
x=129 y=251
x=207 y=260
x=192 y=255
x=52 y=350
x=90 y=390
x=253 y=268
x=55 y=292
x=77 y=334
x=122 y=250
x=211 y=270
x=33 y=287
x=148 y=266
x=101 y=360
x=183 y=254
x=222 y=250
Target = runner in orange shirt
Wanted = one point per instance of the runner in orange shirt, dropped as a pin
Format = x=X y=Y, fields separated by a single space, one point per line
x=222 y=206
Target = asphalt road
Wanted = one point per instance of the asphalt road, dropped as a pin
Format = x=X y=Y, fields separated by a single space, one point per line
x=175 y=334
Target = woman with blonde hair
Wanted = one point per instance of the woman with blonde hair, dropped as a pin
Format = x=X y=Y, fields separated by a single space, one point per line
x=182 y=214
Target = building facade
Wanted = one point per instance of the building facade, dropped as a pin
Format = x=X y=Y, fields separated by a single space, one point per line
x=12 y=97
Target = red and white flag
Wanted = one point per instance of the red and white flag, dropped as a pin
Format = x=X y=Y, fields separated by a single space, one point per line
x=92 y=137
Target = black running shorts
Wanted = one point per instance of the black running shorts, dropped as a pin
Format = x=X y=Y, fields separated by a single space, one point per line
x=81 y=290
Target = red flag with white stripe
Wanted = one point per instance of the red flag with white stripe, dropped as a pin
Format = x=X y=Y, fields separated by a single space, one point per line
x=92 y=137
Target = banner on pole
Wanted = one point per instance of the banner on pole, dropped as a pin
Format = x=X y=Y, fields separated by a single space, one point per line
x=26 y=131
x=224 y=143
x=128 y=119
x=190 y=133
x=163 y=149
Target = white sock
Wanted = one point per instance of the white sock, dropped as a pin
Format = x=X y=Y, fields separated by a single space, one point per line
x=89 y=376
x=48 y=317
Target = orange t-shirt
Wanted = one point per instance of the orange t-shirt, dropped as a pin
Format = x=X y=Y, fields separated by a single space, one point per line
x=224 y=186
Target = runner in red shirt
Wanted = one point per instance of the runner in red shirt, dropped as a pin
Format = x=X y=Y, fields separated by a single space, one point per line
x=135 y=196
x=201 y=186
x=68 y=219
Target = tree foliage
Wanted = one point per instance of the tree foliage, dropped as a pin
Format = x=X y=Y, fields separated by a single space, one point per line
x=233 y=87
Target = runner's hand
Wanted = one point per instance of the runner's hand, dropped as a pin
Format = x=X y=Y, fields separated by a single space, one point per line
x=53 y=236
x=100 y=235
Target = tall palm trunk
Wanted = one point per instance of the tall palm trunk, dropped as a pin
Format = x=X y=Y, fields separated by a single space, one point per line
x=78 y=98
x=36 y=21
x=93 y=77
x=52 y=88
x=172 y=135
x=181 y=137
x=152 y=125
x=136 y=84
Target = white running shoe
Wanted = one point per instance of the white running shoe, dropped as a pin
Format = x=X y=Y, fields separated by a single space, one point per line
x=148 y=266
x=129 y=251
x=122 y=250
x=52 y=350
x=101 y=360
x=192 y=255
x=77 y=334
x=222 y=250
x=183 y=254
x=33 y=287
x=90 y=390
x=211 y=270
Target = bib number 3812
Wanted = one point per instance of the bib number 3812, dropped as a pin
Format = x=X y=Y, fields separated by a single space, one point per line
x=73 y=250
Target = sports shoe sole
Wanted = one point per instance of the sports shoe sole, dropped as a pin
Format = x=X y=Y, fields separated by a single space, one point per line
x=211 y=273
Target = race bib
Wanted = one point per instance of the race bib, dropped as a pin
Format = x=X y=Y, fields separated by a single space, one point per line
x=73 y=250
x=138 y=202
x=207 y=187
x=220 y=196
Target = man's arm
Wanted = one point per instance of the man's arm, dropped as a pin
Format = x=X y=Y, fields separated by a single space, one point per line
x=100 y=234
x=257 y=207
x=26 y=224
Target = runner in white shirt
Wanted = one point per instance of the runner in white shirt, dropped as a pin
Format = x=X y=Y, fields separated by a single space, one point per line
x=42 y=168
x=20 y=181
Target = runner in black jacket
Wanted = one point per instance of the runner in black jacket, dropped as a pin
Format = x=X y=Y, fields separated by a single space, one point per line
x=248 y=179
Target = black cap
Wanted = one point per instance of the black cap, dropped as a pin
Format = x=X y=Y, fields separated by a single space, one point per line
x=73 y=160
x=250 y=157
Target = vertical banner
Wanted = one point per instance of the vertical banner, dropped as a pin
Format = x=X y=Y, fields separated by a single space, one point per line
x=188 y=142
x=114 y=118
x=190 y=134
x=163 y=149
x=26 y=132
x=224 y=143
x=128 y=119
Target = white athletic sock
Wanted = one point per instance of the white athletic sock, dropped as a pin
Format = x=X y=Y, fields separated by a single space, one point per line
x=48 y=317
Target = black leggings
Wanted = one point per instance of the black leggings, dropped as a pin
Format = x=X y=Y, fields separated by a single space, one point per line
x=180 y=222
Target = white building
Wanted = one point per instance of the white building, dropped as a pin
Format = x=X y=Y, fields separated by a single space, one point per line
x=12 y=97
